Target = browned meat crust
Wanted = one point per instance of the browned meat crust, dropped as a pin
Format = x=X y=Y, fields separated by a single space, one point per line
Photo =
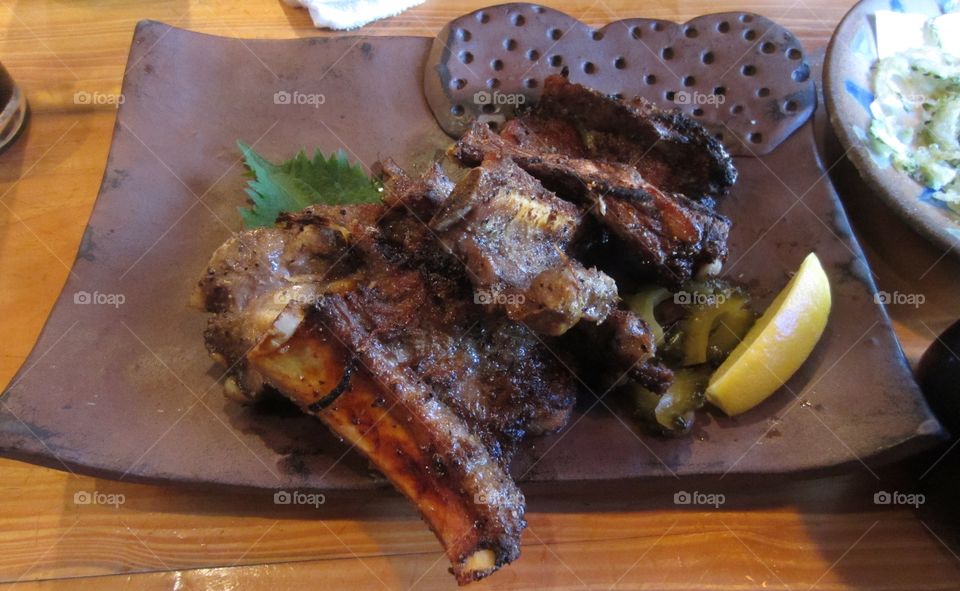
x=426 y=450
x=379 y=324
x=559 y=164
x=667 y=233
x=632 y=346
x=512 y=236
x=671 y=151
x=370 y=284
x=421 y=195
x=670 y=234
x=609 y=145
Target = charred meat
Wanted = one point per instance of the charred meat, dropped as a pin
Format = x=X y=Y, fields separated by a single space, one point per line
x=671 y=151
x=435 y=332
x=512 y=236
x=674 y=237
x=649 y=176
x=667 y=233
x=395 y=358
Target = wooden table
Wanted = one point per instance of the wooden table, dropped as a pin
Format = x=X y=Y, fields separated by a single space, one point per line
x=821 y=533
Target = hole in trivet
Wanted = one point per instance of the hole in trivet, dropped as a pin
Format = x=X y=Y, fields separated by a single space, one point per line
x=723 y=27
x=530 y=82
x=483 y=18
x=493 y=83
x=670 y=95
x=691 y=32
x=657 y=26
x=698 y=112
x=749 y=34
x=763 y=92
x=463 y=35
x=537 y=9
x=746 y=18
x=565 y=72
x=596 y=35
x=720 y=90
x=492 y=124
x=791 y=106
x=801 y=74
x=635 y=32
x=748 y=70
x=497 y=65
x=768 y=47
x=556 y=61
x=589 y=68
x=650 y=79
x=689 y=81
x=667 y=53
x=620 y=63
x=509 y=44
x=533 y=55
x=457 y=110
x=457 y=84
x=707 y=57
x=793 y=53
x=555 y=34
x=736 y=109
x=488 y=108
x=466 y=57
x=755 y=137
x=518 y=20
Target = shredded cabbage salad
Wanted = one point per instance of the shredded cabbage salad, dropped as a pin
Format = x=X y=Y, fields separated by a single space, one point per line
x=916 y=110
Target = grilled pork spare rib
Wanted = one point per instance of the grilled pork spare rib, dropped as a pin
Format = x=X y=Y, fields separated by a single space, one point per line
x=513 y=236
x=623 y=160
x=433 y=332
x=361 y=319
x=670 y=150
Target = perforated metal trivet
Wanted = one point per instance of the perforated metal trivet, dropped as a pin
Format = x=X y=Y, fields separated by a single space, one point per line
x=740 y=74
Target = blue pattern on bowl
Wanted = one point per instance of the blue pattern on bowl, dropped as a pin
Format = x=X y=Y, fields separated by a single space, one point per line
x=864 y=46
x=927 y=197
x=862 y=95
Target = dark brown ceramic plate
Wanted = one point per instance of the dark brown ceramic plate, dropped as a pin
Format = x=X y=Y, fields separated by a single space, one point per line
x=119 y=384
x=848 y=91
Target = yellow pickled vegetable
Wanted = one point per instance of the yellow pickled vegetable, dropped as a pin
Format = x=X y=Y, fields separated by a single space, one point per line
x=643 y=304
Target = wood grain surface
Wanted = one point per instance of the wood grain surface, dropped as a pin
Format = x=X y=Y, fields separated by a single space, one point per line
x=823 y=533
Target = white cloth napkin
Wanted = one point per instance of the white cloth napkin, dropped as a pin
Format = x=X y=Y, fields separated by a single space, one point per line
x=351 y=14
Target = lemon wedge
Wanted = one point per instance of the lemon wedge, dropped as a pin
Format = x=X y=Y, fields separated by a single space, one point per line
x=777 y=344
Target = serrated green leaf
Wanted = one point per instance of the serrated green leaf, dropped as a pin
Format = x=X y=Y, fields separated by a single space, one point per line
x=302 y=181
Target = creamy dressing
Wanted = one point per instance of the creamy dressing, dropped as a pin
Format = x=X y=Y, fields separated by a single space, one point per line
x=916 y=106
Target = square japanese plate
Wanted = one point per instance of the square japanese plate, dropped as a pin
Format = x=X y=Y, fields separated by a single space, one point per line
x=119 y=384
